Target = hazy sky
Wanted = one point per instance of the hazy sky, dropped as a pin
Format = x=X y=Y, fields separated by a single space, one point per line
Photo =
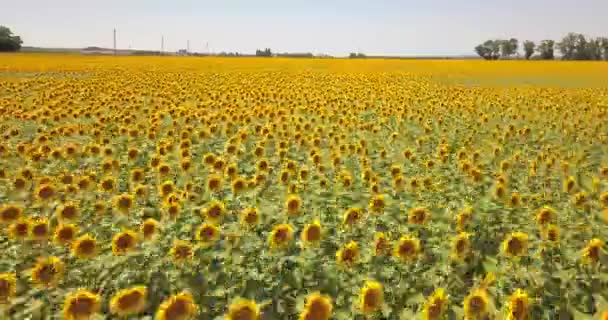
x=391 y=27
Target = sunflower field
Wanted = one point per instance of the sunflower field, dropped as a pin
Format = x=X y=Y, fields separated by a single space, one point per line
x=312 y=189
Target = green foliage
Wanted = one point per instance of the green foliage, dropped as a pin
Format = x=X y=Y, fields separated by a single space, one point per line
x=8 y=41
x=529 y=48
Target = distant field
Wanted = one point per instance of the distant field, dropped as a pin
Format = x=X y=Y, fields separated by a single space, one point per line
x=272 y=188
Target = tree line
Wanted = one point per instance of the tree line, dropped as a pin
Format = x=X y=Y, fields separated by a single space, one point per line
x=574 y=46
x=8 y=41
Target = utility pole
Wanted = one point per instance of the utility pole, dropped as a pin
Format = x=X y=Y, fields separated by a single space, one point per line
x=114 y=41
x=162 y=45
x=188 y=46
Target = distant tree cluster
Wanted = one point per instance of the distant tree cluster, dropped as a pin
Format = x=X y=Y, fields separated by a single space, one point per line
x=574 y=46
x=8 y=41
x=357 y=55
x=263 y=53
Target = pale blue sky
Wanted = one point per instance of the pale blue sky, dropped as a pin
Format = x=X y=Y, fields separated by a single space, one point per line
x=391 y=27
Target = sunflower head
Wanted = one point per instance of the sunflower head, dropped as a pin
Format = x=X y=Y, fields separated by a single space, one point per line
x=435 y=305
x=215 y=212
x=250 y=217
x=280 y=236
x=311 y=233
x=382 y=244
x=19 y=230
x=476 y=304
x=352 y=216
x=371 y=297
x=81 y=305
x=418 y=215
x=214 y=183
x=84 y=247
x=242 y=309
x=293 y=204
x=461 y=247
x=65 y=234
x=149 y=228
x=377 y=203
x=10 y=213
x=591 y=253
x=39 y=229
x=129 y=302
x=407 y=248
x=519 y=305
x=180 y=306
x=317 y=307
x=182 y=251
x=124 y=242
x=515 y=245
x=47 y=272
x=8 y=287
x=545 y=215
x=348 y=255
x=124 y=202
x=208 y=234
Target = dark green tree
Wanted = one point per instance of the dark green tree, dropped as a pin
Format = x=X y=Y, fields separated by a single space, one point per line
x=546 y=49
x=529 y=48
x=8 y=41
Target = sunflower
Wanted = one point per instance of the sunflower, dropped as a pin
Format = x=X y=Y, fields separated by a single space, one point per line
x=214 y=183
x=208 y=234
x=182 y=251
x=569 y=184
x=435 y=305
x=317 y=307
x=39 y=229
x=177 y=307
x=377 y=203
x=311 y=233
x=580 y=198
x=371 y=297
x=476 y=304
x=407 y=248
x=47 y=272
x=280 y=236
x=243 y=309
x=552 y=233
x=519 y=305
x=293 y=204
x=107 y=184
x=215 y=211
x=173 y=209
x=129 y=302
x=138 y=175
x=68 y=211
x=81 y=305
x=545 y=215
x=604 y=199
x=10 y=213
x=19 y=229
x=382 y=245
x=461 y=247
x=515 y=245
x=500 y=191
x=238 y=185
x=65 y=234
x=418 y=215
x=124 y=242
x=515 y=199
x=149 y=228
x=140 y=191
x=591 y=253
x=348 y=255
x=8 y=287
x=84 y=247
x=166 y=188
x=464 y=217
x=352 y=216
x=250 y=217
